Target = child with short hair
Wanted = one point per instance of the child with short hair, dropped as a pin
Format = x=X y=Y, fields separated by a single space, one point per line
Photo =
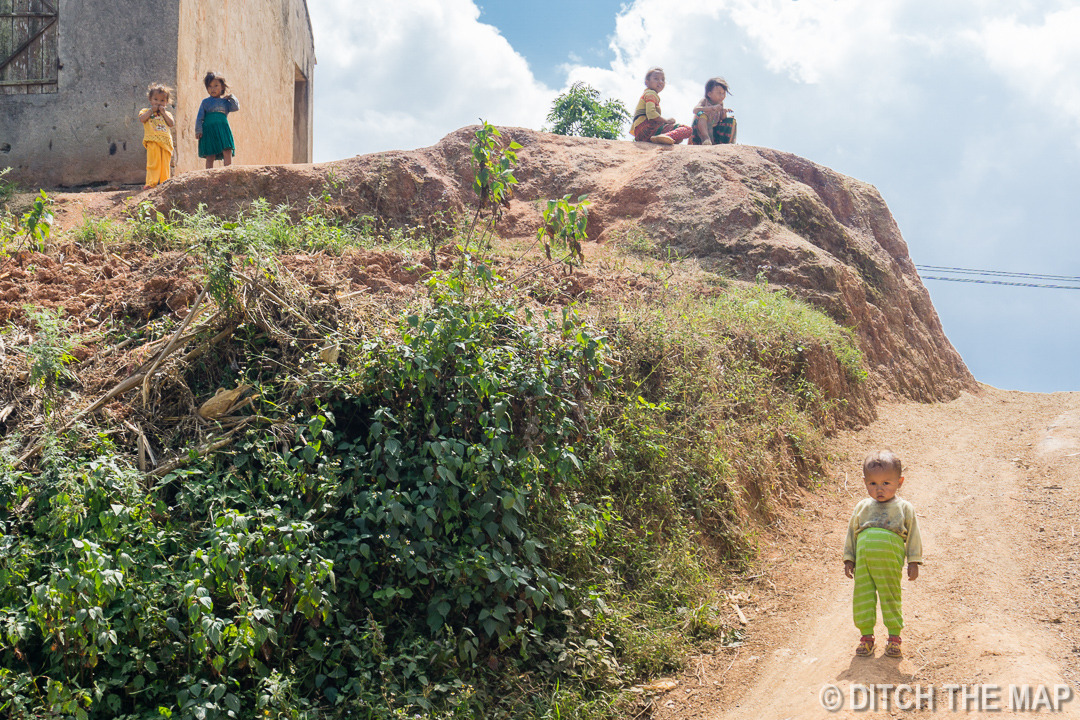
x=212 y=123
x=157 y=137
x=648 y=124
x=883 y=532
x=713 y=124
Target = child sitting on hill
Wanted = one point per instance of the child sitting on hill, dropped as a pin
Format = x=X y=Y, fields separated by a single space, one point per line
x=157 y=138
x=648 y=124
x=712 y=124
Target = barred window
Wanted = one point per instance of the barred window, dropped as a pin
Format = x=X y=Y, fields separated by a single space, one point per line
x=28 y=60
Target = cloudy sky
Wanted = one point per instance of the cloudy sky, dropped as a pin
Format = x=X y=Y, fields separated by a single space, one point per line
x=965 y=115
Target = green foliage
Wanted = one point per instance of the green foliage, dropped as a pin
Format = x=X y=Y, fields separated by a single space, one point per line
x=493 y=181
x=331 y=185
x=152 y=228
x=564 y=225
x=278 y=228
x=631 y=238
x=38 y=221
x=8 y=188
x=382 y=558
x=223 y=247
x=493 y=166
x=790 y=325
x=33 y=227
x=50 y=351
x=710 y=419
x=578 y=111
x=98 y=233
x=311 y=232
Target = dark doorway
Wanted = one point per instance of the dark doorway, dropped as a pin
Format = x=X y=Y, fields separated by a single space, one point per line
x=301 y=152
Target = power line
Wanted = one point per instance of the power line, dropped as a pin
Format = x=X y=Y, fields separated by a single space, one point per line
x=1000 y=282
x=996 y=273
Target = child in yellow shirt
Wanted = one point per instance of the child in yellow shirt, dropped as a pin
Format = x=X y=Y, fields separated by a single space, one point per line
x=648 y=124
x=157 y=137
x=883 y=532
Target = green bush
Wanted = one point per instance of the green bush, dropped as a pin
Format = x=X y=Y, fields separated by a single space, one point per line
x=381 y=560
x=578 y=111
x=484 y=512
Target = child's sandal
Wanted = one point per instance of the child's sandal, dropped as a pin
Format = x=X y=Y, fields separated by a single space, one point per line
x=892 y=649
x=865 y=647
x=662 y=140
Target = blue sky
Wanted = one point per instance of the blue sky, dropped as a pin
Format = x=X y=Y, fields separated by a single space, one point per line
x=965 y=115
x=551 y=34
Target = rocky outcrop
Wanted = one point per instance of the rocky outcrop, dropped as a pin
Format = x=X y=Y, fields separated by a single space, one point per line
x=741 y=210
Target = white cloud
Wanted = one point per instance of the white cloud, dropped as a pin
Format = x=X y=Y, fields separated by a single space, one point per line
x=1039 y=60
x=403 y=74
x=813 y=39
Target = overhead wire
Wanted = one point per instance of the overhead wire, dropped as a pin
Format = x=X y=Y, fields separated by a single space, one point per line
x=1001 y=282
x=999 y=274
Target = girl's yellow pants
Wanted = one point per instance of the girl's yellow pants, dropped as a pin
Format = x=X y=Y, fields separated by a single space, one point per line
x=158 y=158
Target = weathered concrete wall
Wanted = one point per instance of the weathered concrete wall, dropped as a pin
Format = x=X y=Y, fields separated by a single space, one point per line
x=258 y=47
x=88 y=131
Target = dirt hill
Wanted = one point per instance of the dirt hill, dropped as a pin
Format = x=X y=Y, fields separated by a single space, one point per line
x=741 y=210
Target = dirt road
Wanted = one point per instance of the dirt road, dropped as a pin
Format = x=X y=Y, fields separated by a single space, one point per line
x=995 y=479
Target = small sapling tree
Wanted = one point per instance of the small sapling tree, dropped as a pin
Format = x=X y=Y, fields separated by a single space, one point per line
x=493 y=180
x=50 y=351
x=564 y=225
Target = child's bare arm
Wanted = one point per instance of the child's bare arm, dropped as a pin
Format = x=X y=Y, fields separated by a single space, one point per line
x=912 y=571
x=168 y=118
x=146 y=114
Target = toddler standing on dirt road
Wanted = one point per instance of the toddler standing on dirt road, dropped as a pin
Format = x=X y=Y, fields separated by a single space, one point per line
x=883 y=532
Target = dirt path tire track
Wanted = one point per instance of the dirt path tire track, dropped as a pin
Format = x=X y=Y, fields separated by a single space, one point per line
x=994 y=478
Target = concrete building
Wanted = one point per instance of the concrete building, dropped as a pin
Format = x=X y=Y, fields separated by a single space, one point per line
x=73 y=77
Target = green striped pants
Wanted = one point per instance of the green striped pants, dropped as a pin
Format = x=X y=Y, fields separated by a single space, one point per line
x=879 y=565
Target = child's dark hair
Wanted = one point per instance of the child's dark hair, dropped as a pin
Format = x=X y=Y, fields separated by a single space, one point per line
x=882 y=460
x=154 y=88
x=715 y=82
x=211 y=77
x=651 y=71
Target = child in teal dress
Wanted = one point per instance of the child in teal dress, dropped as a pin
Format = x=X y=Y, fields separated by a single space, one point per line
x=212 y=123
